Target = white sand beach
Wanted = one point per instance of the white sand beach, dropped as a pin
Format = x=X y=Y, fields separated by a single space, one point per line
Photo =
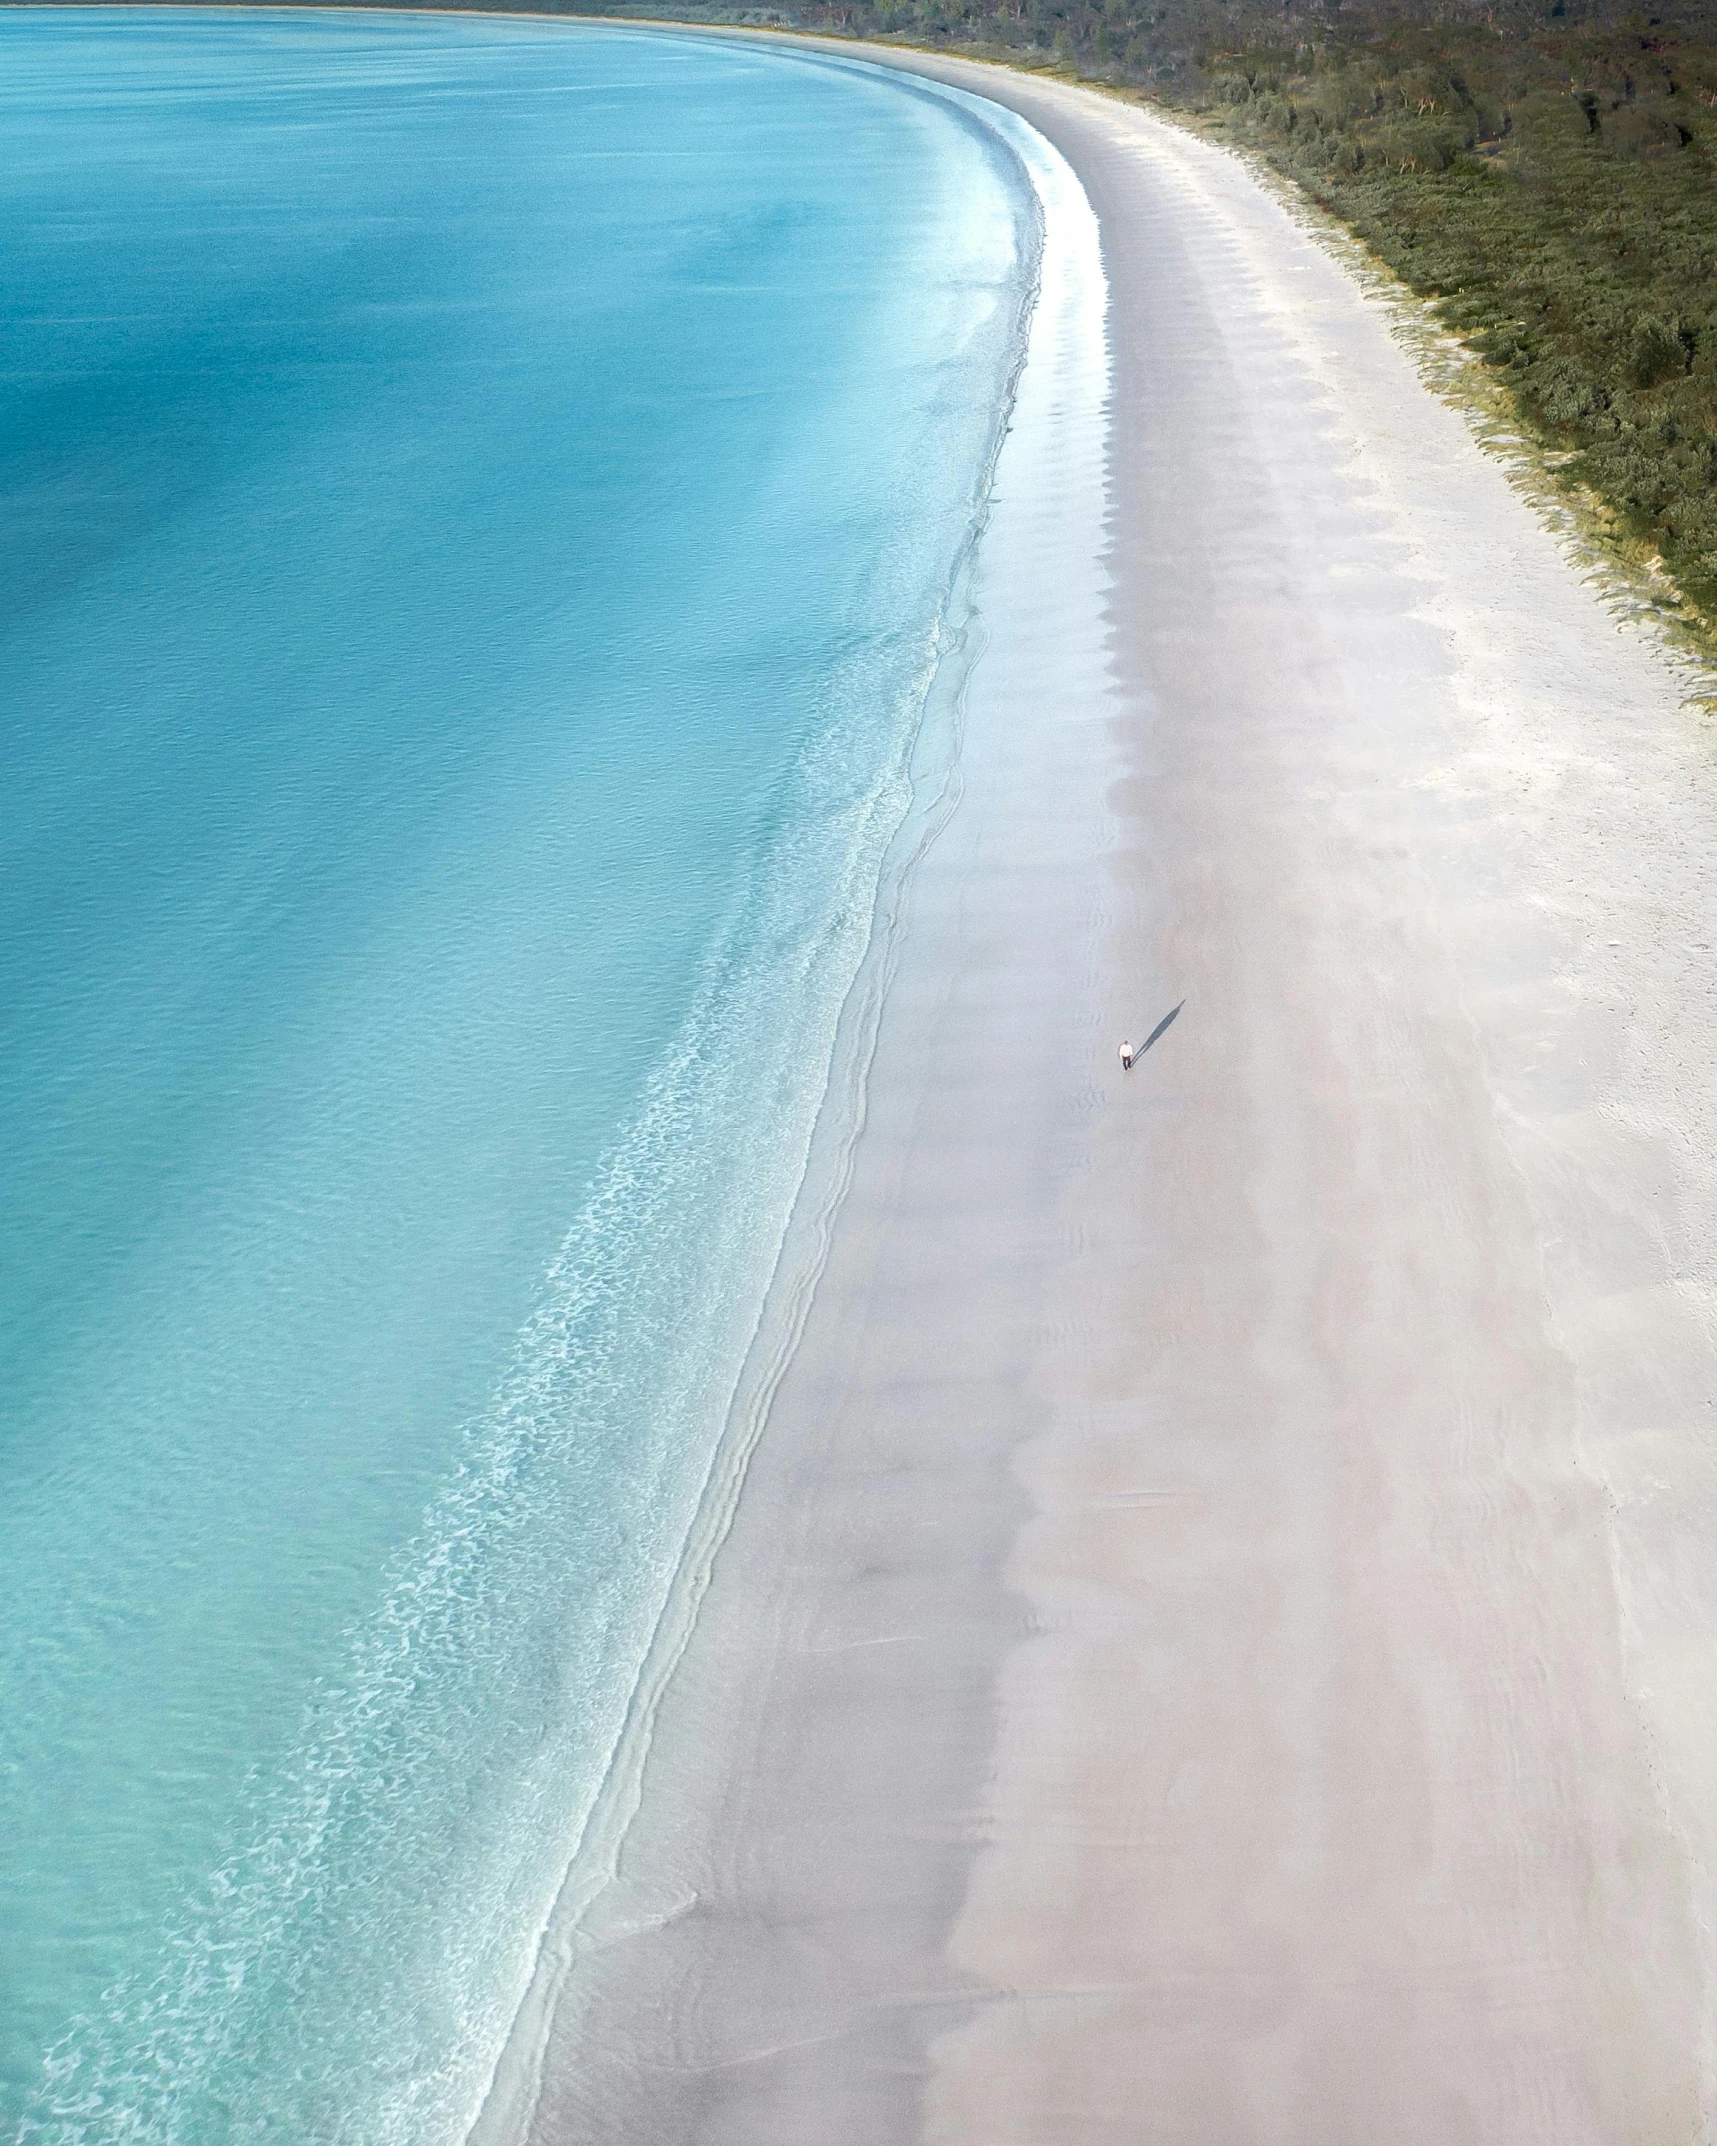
x=1218 y=1640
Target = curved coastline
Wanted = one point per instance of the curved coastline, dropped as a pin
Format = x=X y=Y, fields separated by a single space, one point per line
x=1216 y=1640
x=1310 y=1436
x=1056 y=402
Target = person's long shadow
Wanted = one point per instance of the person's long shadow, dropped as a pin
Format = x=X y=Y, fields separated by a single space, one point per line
x=1167 y=1022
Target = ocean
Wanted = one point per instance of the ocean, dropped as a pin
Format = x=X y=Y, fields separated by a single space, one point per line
x=487 y=515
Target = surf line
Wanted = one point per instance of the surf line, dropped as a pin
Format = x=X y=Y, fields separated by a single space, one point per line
x=1061 y=376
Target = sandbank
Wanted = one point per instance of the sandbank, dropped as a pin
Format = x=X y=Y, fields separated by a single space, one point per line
x=1216 y=1642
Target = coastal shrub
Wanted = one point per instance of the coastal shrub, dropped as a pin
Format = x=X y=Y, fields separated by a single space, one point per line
x=1657 y=352
x=1644 y=131
x=1417 y=145
x=1564 y=394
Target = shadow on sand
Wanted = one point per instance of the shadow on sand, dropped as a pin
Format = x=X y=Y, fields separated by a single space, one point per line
x=1166 y=1023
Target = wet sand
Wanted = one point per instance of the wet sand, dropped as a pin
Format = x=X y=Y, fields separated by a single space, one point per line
x=1218 y=1641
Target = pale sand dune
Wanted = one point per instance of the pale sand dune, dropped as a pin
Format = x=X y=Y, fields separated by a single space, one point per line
x=1219 y=1643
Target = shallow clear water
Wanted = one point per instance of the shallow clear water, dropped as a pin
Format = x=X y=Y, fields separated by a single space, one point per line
x=481 y=507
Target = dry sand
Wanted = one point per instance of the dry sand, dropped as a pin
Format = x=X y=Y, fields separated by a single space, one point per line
x=1217 y=1642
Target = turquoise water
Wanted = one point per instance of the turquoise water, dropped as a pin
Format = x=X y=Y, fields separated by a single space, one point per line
x=483 y=507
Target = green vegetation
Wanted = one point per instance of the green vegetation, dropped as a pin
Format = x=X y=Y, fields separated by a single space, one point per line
x=1550 y=187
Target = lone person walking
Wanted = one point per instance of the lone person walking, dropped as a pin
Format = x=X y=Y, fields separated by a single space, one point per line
x=1126 y=1058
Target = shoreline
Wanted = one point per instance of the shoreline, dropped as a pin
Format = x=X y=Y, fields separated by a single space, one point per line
x=1203 y=1622
x=1332 y=1585
x=1289 y=1462
x=1053 y=411
x=935 y=781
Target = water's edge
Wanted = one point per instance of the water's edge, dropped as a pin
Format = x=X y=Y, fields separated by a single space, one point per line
x=505 y=2116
